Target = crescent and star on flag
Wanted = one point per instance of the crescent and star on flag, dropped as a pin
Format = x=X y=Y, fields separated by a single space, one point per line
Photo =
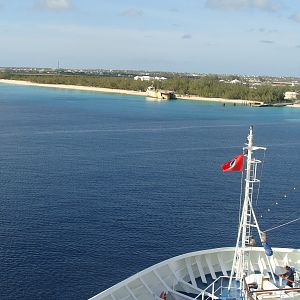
x=235 y=164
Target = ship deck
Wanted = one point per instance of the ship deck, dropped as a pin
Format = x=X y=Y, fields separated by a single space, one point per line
x=185 y=277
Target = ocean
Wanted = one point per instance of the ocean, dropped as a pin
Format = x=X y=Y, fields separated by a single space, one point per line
x=96 y=187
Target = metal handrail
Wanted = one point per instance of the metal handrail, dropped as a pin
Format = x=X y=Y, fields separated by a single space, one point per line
x=289 y=280
x=247 y=290
x=262 y=291
x=280 y=292
x=212 y=287
x=276 y=290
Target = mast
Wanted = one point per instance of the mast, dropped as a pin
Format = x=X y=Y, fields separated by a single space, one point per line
x=240 y=265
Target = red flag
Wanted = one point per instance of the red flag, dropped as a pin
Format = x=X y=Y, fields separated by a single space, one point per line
x=236 y=164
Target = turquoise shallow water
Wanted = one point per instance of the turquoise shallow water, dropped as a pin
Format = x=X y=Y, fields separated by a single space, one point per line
x=95 y=187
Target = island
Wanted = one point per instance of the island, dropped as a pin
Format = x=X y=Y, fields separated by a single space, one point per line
x=253 y=90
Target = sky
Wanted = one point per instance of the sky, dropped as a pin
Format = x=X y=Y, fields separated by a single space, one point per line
x=251 y=37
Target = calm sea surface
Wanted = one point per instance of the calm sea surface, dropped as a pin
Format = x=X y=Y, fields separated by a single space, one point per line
x=96 y=187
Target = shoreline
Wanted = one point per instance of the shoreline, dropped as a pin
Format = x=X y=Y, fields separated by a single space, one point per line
x=221 y=100
x=119 y=91
x=73 y=87
x=128 y=92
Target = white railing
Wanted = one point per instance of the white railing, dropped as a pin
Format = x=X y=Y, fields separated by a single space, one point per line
x=212 y=290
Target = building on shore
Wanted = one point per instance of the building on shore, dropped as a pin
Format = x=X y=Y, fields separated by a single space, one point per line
x=291 y=96
x=160 y=94
x=148 y=78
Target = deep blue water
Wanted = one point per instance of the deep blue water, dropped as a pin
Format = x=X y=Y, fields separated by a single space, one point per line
x=96 y=187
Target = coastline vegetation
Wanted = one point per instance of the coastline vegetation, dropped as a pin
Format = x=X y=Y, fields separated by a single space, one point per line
x=208 y=86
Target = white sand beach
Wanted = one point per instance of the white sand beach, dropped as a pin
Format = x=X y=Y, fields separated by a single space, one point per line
x=73 y=87
x=129 y=92
x=119 y=91
x=294 y=105
x=223 y=100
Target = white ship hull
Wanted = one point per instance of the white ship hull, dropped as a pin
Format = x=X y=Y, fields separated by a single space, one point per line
x=186 y=273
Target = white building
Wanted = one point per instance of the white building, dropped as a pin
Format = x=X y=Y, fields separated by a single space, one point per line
x=235 y=81
x=143 y=78
x=291 y=95
x=148 y=78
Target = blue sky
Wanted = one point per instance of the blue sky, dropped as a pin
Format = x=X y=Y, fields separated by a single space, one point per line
x=260 y=37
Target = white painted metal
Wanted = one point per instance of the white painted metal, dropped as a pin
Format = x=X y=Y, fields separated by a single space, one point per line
x=191 y=274
x=161 y=280
x=146 y=286
x=131 y=293
x=224 y=271
x=200 y=269
x=210 y=266
x=113 y=297
x=153 y=286
x=241 y=262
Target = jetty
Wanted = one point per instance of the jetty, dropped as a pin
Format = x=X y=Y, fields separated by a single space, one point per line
x=279 y=104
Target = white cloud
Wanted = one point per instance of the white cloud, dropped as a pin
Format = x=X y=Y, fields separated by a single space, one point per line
x=295 y=17
x=132 y=12
x=267 y=5
x=55 y=4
